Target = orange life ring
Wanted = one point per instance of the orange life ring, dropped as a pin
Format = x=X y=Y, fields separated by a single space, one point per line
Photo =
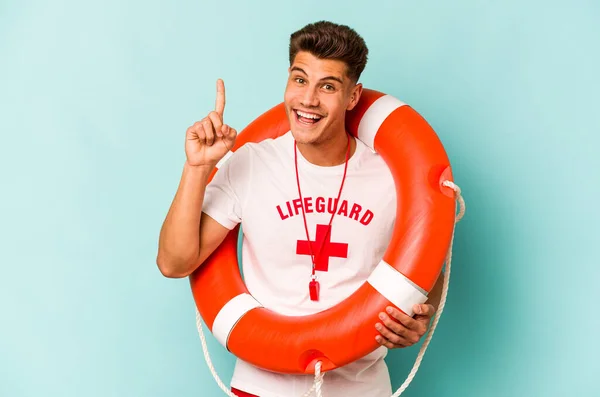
x=422 y=235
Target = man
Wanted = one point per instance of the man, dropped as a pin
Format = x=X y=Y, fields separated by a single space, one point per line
x=316 y=183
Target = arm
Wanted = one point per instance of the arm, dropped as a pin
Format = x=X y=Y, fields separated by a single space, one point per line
x=188 y=236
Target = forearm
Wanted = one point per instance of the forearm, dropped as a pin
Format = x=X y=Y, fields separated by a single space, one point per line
x=179 y=242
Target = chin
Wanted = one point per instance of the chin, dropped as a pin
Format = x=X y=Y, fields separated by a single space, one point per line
x=305 y=137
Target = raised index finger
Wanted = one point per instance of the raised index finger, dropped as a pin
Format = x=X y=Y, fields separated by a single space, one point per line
x=220 y=102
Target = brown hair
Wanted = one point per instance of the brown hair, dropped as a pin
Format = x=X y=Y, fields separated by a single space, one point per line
x=327 y=40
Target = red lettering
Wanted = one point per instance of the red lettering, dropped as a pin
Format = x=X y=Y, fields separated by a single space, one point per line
x=308 y=205
x=320 y=204
x=281 y=213
x=343 y=208
x=366 y=218
x=297 y=205
x=355 y=211
x=332 y=205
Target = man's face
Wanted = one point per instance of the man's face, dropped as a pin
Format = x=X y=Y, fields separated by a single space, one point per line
x=317 y=95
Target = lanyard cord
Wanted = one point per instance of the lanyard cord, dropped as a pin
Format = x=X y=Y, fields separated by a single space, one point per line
x=312 y=256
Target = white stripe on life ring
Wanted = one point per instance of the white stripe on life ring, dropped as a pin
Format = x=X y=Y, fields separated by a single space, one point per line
x=374 y=117
x=396 y=287
x=230 y=314
x=224 y=159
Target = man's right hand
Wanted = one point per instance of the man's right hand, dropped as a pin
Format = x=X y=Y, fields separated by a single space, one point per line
x=208 y=140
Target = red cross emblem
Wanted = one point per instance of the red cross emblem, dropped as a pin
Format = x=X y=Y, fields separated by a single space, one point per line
x=322 y=242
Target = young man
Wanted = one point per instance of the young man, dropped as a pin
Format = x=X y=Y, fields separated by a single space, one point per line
x=316 y=183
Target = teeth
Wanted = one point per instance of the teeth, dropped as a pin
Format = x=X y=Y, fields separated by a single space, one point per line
x=308 y=115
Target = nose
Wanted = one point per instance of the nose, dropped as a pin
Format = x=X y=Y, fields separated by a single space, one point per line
x=310 y=99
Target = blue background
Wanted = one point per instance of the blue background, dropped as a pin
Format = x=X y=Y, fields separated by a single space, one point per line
x=95 y=97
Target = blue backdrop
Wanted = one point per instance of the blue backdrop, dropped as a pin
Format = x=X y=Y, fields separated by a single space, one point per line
x=95 y=97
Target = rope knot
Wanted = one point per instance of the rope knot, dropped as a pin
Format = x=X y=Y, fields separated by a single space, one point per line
x=459 y=198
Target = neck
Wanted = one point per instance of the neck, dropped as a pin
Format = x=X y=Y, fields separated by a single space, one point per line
x=328 y=153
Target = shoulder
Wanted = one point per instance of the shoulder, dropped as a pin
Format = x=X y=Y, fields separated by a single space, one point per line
x=374 y=174
x=254 y=158
x=266 y=150
x=371 y=161
x=270 y=146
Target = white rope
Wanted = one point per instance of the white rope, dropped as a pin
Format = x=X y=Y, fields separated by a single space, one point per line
x=207 y=357
x=440 y=308
x=318 y=382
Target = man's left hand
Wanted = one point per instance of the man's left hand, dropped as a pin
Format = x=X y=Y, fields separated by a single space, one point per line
x=400 y=330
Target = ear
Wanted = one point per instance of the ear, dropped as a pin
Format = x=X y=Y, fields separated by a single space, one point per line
x=354 y=96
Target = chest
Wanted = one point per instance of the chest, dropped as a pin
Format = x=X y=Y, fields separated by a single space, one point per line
x=280 y=221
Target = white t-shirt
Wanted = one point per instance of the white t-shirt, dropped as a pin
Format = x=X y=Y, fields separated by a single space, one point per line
x=257 y=186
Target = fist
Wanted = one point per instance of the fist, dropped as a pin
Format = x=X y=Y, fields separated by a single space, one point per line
x=208 y=140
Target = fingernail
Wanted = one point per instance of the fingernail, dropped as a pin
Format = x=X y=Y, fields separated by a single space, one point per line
x=378 y=326
x=417 y=309
x=382 y=316
x=389 y=310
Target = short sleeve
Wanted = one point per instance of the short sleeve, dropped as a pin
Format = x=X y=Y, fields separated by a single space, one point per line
x=225 y=194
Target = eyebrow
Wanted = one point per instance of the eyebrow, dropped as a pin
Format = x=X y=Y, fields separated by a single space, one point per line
x=298 y=69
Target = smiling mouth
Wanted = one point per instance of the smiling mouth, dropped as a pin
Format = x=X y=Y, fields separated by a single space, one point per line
x=307 y=118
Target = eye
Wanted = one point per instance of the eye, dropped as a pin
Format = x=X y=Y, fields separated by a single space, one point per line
x=329 y=87
x=299 y=80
